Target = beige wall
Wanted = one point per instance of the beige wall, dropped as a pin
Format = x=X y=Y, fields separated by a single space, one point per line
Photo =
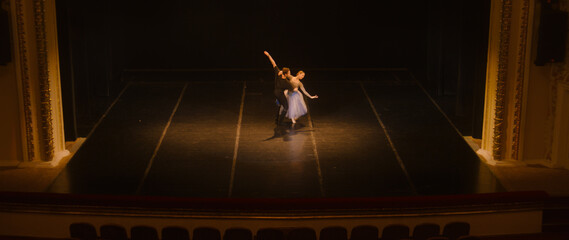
x=537 y=103
x=537 y=126
x=537 y=111
x=541 y=97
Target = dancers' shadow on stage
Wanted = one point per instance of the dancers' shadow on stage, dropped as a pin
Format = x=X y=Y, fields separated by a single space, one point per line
x=287 y=130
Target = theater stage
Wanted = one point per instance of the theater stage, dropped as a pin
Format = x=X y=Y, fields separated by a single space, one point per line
x=368 y=135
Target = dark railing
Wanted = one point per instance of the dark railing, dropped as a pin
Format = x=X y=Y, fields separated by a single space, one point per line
x=485 y=215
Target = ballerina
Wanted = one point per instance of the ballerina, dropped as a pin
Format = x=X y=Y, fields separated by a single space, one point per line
x=296 y=105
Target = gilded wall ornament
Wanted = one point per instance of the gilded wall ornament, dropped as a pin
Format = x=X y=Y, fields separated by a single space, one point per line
x=25 y=79
x=521 y=68
x=500 y=101
x=44 y=81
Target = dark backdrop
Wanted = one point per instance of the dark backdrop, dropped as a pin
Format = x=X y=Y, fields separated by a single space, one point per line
x=182 y=34
x=436 y=40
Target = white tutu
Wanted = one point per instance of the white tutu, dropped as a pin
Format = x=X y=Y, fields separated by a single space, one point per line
x=296 y=105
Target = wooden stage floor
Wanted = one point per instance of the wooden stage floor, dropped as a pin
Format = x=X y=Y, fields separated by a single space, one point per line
x=366 y=136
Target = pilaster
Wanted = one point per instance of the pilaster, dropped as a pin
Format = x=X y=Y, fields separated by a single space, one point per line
x=507 y=73
x=37 y=70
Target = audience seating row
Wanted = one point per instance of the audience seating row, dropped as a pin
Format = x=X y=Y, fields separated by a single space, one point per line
x=426 y=231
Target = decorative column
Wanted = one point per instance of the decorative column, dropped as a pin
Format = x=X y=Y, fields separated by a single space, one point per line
x=37 y=68
x=506 y=79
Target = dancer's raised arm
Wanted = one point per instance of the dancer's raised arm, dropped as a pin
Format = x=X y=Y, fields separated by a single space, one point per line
x=270 y=59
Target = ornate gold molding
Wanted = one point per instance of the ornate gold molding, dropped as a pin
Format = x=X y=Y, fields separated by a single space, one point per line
x=25 y=79
x=36 y=93
x=46 y=119
x=521 y=68
x=500 y=101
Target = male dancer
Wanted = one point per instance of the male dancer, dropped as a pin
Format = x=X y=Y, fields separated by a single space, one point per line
x=281 y=84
